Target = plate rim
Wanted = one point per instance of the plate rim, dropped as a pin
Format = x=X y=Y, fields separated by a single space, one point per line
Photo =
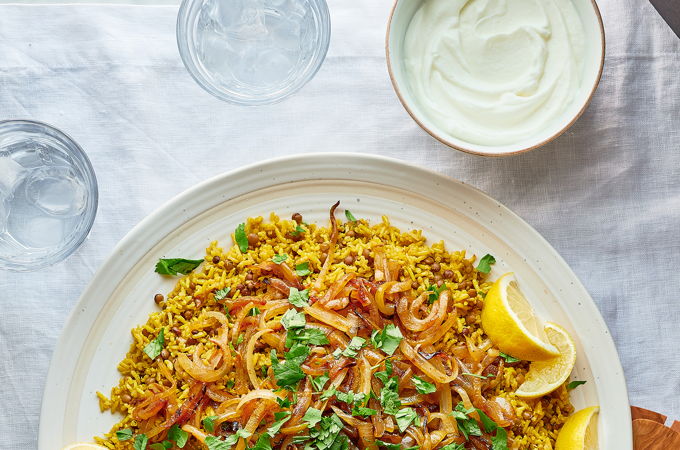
x=96 y=302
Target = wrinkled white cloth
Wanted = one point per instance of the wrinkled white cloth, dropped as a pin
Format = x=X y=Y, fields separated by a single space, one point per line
x=606 y=194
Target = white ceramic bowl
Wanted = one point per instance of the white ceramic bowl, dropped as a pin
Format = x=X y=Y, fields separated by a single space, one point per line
x=399 y=21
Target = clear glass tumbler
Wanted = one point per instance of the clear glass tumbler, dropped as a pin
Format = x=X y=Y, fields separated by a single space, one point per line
x=48 y=195
x=253 y=52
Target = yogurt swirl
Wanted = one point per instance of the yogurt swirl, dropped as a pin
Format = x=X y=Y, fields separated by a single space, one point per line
x=494 y=72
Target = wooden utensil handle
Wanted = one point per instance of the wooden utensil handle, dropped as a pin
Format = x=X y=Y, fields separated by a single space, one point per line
x=650 y=432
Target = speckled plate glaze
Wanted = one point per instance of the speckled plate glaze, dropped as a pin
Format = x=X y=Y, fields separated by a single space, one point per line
x=97 y=335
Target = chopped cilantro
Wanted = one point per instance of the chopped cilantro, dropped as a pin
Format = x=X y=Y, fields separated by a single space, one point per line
x=388 y=445
x=306 y=336
x=500 y=440
x=466 y=425
x=215 y=443
x=350 y=397
x=178 y=435
x=293 y=319
x=385 y=375
x=241 y=238
x=356 y=344
x=254 y=312
x=453 y=446
x=155 y=347
x=173 y=266
x=297 y=231
x=388 y=339
x=229 y=384
x=389 y=396
x=508 y=358
x=362 y=411
x=328 y=393
x=302 y=270
x=319 y=382
x=288 y=372
x=140 y=442
x=485 y=263
x=281 y=418
x=124 y=435
x=327 y=435
x=423 y=387
x=312 y=417
x=434 y=292
x=165 y=445
x=221 y=294
x=263 y=443
x=239 y=339
x=283 y=402
x=298 y=298
x=209 y=424
x=350 y=216
x=575 y=384
x=278 y=259
x=405 y=417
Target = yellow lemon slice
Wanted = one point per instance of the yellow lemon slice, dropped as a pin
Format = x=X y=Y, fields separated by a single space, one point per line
x=579 y=432
x=84 y=446
x=544 y=377
x=509 y=321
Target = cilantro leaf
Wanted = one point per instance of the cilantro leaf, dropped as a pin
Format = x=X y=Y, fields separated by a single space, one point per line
x=575 y=384
x=173 y=266
x=362 y=411
x=312 y=417
x=488 y=424
x=385 y=375
x=283 y=402
x=178 y=435
x=350 y=216
x=327 y=435
x=239 y=339
x=293 y=319
x=278 y=259
x=165 y=445
x=288 y=372
x=356 y=344
x=298 y=298
x=155 y=347
x=405 y=417
x=485 y=263
x=423 y=387
x=388 y=339
x=297 y=231
x=263 y=443
x=466 y=425
x=209 y=424
x=124 y=435
x=350 y=397
x=241 y=238
x=508 y=358
x=281 y=418
x=215 y=443
x=229 y=384
x=500 y=440
x=306 y=336
x=140 y=442
x=453 y=446
x=319 y=382
x=221 y=294
x=254 y=312
x=387 y=445
x=302 y=270
x=435 y=291
x=389 y=397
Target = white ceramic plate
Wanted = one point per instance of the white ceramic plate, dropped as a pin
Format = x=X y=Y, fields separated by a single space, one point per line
x=120 y=296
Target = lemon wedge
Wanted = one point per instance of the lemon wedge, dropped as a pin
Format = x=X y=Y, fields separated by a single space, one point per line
x=579 y=432
x=544 y=377
x=84 y=446
x=509 y=321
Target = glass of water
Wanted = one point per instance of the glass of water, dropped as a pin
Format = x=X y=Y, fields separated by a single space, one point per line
x=48 y=195
x=253 y=52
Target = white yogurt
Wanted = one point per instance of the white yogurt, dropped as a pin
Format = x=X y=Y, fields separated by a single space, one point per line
x=494 y=72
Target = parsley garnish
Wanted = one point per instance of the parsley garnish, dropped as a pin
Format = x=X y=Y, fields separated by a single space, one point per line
x=453 y=446
x=283 y=402
x=387 y=445
x=423 y=387
x=574 y=384
x=469 y=426
x=178 y=435
x=297 y=231
x=405 y=417
x=388 y=339
x=155 y=347
x=209 y=424
x=312 y=417
x=263 y=443
x=389 y=396
x=508 y=358
x=306 y=336
x=278 y=259
x=239 y=339
x=288 y=372
x=140 y=442
x=485 y=263
x=500 y=440
x=298 y=298
x=173 y=266
x=229 y=384
x=254 y=312
x=327 y=434
x=362 y=411
x=293 y=319
x=350 y=216
x=221 y=294
x=124 y=435
x=356 y=344
x=350 y=397
x=241 y=238
x=483 y=377
x=319 y=382
x=384 y=375
x=302 y=270
x=215 y=443
x=434 y=292
x=165 y=445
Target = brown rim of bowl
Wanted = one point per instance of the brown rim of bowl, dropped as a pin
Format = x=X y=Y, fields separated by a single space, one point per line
x=495 y=155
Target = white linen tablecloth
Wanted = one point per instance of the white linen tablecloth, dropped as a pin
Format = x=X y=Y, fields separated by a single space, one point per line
x=606 y=194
